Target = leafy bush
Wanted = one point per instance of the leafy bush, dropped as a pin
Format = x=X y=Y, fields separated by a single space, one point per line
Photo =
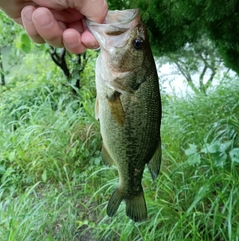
x=196 y=196
x=44 y=126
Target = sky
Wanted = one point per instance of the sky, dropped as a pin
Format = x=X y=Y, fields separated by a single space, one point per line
x=173 y=83
x=170 y=82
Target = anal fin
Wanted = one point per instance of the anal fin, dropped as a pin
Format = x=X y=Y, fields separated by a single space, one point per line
x=114 y=202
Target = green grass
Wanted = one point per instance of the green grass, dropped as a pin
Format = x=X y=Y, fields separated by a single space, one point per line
x=43 y=213
x=53 y=185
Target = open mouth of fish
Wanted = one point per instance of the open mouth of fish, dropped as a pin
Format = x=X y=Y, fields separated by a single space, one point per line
x=118 y=19
x=116 y=23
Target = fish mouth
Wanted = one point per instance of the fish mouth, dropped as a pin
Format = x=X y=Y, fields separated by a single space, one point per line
x=116 y=19
x=116 y=27
x=121 y=17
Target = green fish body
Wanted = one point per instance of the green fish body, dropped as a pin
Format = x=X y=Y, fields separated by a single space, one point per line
x=128 y=106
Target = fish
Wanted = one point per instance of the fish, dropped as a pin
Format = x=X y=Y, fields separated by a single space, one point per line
x=128 y=107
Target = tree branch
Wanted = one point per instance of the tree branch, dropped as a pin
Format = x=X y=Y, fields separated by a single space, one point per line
x=3 y=82
x=59 y=60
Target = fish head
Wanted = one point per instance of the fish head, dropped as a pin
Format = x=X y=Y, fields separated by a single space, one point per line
x=122 y=38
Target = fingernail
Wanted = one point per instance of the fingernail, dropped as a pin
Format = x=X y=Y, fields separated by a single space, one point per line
x=43 y=18
x=27 y=13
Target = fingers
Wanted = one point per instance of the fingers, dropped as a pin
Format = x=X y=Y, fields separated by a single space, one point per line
x=95 y=11
x=28 y=24
x=64 y=26
x=13 y=8
x=89 y=40
x=41 y=26
x=77 y=43
x=72 y=41
x=48 y=27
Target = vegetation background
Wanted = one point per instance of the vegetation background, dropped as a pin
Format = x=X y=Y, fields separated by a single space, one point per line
x=53 y=185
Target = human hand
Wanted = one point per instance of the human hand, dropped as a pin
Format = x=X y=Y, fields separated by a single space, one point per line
x=59 y=23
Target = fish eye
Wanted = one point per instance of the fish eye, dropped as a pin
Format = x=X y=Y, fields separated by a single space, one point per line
x=138 y=43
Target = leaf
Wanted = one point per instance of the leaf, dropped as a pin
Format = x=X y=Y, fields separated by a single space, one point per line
x=24 y=43
x=2 y=169
x=82 y=223
x=92 y=224
x=219 y=159
x=26 y=48
x=224 y=146
x=11 y=156
x=25 y=39
x=44 y=176
x=1 y=25
x=212 y=147
x=191 y=150
x=234 y=155
x=194 y=159
x=202 y=193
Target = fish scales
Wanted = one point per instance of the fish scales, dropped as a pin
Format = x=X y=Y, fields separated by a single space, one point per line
x=128 y=106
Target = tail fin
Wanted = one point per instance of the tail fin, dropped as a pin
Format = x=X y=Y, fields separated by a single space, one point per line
x=136 y=208
x=114 y=202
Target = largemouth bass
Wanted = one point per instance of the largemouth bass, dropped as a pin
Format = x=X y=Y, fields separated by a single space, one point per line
x=128 y=106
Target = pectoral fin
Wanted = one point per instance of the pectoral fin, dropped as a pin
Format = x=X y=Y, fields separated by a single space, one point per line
x=116 y=107
x=154 y=163
x=96 y=109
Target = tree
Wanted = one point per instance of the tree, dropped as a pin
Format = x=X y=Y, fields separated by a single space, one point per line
x=198 y=63
x=176 y=29
x=71 y=64
x=14 y=38
x=175 y=23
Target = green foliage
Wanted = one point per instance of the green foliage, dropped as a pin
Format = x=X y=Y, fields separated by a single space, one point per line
x=174 y=23
x=24 y=43
x=14 y=42
x=197 y=63
x=118 y=5
x=38 y=112
x=13 y=34
x=54 y=186
x=179 y=36
x=196 y=196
